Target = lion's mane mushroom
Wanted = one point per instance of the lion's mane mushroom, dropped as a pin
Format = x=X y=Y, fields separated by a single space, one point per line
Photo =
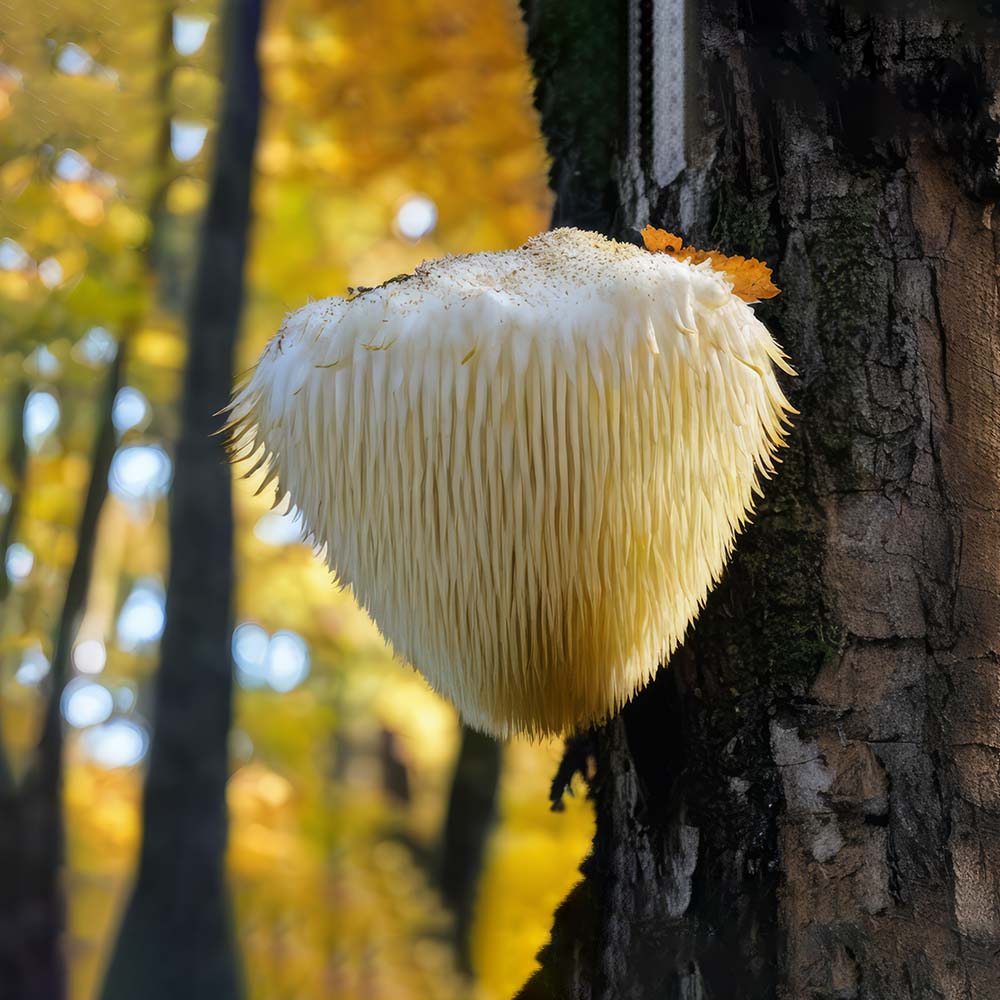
x=529 y=466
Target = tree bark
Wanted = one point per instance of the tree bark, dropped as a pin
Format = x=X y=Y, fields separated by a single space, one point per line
x=179 y=907
x=806 y=803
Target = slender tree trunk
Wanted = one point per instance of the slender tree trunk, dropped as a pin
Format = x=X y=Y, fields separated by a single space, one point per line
x=472 y=806
x=10 y=933
x=32 y=841
x=41 y=905
x=17 y=470
x=17 y=466
x=175 y=939
x=806 y=803
x=32 y=824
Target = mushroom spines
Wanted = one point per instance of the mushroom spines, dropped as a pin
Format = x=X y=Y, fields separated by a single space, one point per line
x=529 y=466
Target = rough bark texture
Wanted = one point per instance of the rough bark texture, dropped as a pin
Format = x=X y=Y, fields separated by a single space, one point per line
x=179 y=905
x=806 y=804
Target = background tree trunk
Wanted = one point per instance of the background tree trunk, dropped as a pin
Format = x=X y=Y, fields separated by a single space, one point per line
x=39 y=869
x=179 y=905
x=33 y=955
x=17 y=467
x=472 y=808
x=12 y=960
x=806 y=804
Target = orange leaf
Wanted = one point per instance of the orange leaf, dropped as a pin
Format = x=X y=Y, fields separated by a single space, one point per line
x=751 y=278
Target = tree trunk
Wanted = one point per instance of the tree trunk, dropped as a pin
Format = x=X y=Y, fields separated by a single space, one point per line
x=17 y=467
x=472 y=807
x=806 y=803
x=32 y=834
x=11 y=954
x=16 y=461
x=38 y=813
x=176 y=938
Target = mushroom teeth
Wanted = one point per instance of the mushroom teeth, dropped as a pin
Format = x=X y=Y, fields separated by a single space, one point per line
x=528 y=466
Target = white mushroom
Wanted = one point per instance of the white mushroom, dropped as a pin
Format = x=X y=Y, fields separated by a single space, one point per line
x=528 y=466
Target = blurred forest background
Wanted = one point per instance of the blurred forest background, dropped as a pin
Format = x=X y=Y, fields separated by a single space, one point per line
x=391 y=131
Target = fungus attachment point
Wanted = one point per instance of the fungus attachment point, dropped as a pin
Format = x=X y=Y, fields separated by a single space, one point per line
x=529 y=466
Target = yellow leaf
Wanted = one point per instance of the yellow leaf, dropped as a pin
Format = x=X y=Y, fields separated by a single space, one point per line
x=751 y=278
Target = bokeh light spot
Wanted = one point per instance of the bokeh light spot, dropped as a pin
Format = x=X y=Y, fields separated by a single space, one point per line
x=50 y=272
x=125 y=698
x=189 y=34
x=279 y=661
x=130 y=409
x=72 y=166
x=33 y=668
x=416 y=217
x=89 y=656
x=74 y=61
x=97 y=346
x=44 y=362
x=142 y=617
x=186 y=139
x=250 y=642
x=41 y=417
x=140 y=472
x=13 y=256
x=287 y=661
x=19 y=562
x=118 y=743
x=86 y=703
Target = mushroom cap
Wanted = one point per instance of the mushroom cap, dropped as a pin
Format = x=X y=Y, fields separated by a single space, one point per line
x=529 y=466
